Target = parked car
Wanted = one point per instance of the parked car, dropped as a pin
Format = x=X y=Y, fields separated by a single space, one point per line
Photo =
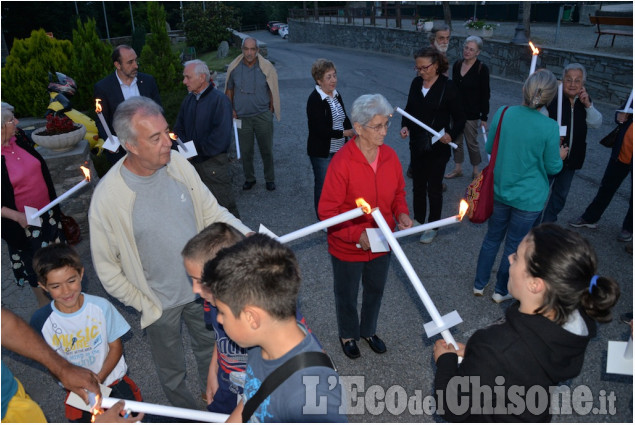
x=272 y=26
x=283 y=31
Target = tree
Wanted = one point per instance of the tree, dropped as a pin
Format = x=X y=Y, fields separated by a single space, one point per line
x=157 y=58
x=91 y=62
x=25 y=74
x=205 y=30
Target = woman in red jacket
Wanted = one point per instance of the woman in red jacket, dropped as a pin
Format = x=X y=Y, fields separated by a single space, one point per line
x=363 y=168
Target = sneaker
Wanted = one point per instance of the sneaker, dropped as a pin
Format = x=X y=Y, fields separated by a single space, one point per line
x=580 y=222
x=478 y=292
x=626 y=318
x=625 y=236
x=428 y=236
x=498 y=298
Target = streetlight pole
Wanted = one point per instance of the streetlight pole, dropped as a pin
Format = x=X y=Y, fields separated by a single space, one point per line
x=103 y=3
x=519 y=36
x=131 y=16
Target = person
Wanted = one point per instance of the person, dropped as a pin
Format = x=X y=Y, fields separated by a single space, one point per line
x=365 y=167
x=578 y=115
x=542 y=340
x=252 y=87
x=255 y=283
x=122 y=84
x=229 y=360
x=26 y=181
x=329 y=126
x=619 y=166
x=528 y=150
x=206 y=118
x=434 y=100
x=471 y=76
x=20 y=338
x=137 y=262
x=64 y=321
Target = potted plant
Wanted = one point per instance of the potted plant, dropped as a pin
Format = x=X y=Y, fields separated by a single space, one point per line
x=480 y=28
x=60 y=134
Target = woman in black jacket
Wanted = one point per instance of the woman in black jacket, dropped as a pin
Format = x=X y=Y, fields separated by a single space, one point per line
x=435 y=101
x=329 y=126
x=26 y=181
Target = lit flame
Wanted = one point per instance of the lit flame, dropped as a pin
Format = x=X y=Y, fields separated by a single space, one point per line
x=96 y=409
x=173 y=136
x=97 y=106
x=534 y=49
x=463 y=208
x=86 y=172
x=360 y=202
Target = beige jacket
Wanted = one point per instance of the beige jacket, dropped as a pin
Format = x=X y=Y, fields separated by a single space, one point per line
x=270 y=74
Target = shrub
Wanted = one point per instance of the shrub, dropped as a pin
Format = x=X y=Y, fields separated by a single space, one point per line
x=25 y=74
x=205 y=30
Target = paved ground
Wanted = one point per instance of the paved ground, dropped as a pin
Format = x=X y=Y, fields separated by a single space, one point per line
x=446 y=267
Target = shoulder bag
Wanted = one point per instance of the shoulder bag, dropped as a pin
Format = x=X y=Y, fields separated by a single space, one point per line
x=480 y=193
x=609 y=140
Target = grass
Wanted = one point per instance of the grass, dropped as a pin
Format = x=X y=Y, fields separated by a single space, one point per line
x=218 y=64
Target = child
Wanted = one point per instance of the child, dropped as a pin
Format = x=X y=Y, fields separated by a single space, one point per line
x=227 y=368
x=542 y=340
x=255 y=284
x=84 y=329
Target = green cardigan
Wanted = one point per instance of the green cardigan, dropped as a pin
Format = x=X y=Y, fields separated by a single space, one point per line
x=528 y=151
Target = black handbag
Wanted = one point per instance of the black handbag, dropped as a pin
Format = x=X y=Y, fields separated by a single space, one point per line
x=609 y=139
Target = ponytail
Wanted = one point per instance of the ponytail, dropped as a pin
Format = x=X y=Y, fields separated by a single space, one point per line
x=600 y=298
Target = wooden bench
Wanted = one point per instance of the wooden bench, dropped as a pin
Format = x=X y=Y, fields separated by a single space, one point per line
x=611 y=20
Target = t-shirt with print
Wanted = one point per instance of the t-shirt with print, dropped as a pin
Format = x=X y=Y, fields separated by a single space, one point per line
x=301 y=397
x=82 y=337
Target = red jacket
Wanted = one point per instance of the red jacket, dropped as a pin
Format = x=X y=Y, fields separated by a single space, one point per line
x=349 y=177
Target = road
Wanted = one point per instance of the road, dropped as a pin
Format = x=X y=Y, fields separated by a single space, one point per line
x=446 y=266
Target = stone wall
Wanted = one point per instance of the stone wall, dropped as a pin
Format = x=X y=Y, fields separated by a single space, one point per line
x=609 y=78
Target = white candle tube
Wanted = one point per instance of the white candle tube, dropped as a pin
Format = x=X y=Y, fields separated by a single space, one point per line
x=532 y=68
x=181 y=144
x=103 y=123
x=237 y=142
x=412 y=275
x=423 y=227
x=628 y=351
x=60 y=198
x=484 y=133
x=167 y=411
x=629 y=102
x=437 y=135
x=349 y=215
x=559 y=115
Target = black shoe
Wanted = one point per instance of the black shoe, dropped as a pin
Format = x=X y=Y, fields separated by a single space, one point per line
x=271 y=186
x=376 y=344
x=350 y=348
x=409 y=172
x=626 y=318
x=248 y=185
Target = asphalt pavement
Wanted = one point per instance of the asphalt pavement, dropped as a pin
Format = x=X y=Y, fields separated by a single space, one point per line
x=446 y=267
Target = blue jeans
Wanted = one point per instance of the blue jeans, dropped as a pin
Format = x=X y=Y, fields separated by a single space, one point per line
x=505 y=220
x=560 y=186
x=346 y=277
x=320 y=165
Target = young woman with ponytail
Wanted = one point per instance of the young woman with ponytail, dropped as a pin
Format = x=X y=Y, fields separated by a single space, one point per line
x=509 y=367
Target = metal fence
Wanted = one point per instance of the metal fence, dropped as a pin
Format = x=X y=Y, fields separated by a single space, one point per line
x=385 y=15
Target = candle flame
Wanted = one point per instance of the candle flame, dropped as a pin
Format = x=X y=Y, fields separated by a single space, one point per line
x=534 y=49
x=97 y=106
x=360 y=202
x=463 y=208
x=86 y=172
x=96 y=409
x=173 y=136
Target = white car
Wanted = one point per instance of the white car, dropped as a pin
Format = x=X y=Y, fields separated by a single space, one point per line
x=283 y=31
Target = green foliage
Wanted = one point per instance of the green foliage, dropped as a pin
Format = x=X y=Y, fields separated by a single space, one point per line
x=205 y=30
x=25 y=74
x=157 y=58
x=138 y=39
x=91 y=62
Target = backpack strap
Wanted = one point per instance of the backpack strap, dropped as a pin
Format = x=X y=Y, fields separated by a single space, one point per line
x=281 y=374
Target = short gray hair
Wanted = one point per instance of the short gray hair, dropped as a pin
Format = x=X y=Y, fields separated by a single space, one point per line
x=200 y=67
x=7 y=112
x=367 y=106
x=122 y=120
x=436 y=28
x=540 y=89
x=249 y=38
x=572 y=67
x=474 y=39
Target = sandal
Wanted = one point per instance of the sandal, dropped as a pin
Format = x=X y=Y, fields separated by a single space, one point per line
x=454 y=174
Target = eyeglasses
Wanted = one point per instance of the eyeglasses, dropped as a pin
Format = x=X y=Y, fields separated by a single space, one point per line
x=377 y=128
x=470 y=49
x=570 y=81
x=12 y=120
x=422 y=68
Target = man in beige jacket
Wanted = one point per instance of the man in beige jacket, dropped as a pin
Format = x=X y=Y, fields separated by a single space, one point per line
x=252 y=87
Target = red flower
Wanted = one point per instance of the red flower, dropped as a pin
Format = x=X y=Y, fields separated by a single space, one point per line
x=58 y=125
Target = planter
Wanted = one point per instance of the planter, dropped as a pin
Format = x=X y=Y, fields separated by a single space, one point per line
x=59 y=142
x=481 y=32
x=487 y=33
x=427 y=26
